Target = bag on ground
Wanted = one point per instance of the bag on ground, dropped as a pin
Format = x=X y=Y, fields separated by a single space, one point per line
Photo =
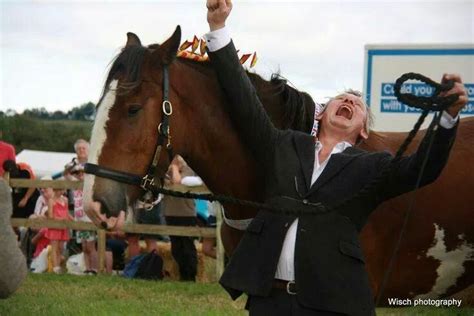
x=40 y=263
x=150 y=267
x=131 y=267
x=75 y=264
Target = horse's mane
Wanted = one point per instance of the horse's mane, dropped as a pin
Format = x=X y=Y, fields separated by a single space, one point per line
x=128 y=63
x=298 y=107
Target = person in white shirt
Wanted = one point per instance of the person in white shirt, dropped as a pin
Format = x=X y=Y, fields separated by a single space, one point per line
x=312 y=264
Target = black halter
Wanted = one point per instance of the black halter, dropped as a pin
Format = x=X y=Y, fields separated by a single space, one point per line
x=147 y=182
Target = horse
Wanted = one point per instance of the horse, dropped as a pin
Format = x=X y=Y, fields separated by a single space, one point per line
x=435 y=258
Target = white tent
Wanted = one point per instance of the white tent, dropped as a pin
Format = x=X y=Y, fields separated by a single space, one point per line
x=45 y=163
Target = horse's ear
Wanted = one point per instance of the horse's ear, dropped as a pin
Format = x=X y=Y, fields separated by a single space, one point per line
x=166 y=53
x=133 y=40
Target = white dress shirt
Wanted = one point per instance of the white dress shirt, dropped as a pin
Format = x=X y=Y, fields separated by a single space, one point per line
x=285 y=270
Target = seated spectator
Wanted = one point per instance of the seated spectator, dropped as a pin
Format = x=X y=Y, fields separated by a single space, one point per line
x=13 y=270
x=115 y=246
x=143 y=216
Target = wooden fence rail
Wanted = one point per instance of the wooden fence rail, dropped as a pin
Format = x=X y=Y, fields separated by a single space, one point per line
x=128 y=228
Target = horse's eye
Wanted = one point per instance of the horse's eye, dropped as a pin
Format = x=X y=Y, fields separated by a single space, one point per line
x=133 y=109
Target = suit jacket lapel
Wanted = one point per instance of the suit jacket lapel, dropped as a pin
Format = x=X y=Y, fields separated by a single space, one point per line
x=336 y=163
x=304 y=144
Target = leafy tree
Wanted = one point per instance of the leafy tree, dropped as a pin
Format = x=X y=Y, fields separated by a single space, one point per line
x=39 y=129
x=84 y=112
x=25 y=132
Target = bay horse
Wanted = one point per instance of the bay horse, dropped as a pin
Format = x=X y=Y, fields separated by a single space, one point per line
x=436 y=256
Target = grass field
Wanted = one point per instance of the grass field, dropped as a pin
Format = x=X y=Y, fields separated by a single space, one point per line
x=48 y=294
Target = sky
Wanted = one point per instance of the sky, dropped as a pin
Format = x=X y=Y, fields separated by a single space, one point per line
x=54 y=54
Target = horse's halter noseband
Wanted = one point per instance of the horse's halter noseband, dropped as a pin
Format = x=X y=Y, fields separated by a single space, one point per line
x=147 y=182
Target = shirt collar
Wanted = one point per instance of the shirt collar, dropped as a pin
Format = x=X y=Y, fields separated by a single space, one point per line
x=339 y=148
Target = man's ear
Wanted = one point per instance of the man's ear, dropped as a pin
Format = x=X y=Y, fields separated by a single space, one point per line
x=363 y=134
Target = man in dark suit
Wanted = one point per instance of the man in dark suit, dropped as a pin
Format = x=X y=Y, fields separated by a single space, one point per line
x=311 y=264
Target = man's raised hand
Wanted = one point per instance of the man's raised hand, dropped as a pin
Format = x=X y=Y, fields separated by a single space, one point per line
x=217 y=13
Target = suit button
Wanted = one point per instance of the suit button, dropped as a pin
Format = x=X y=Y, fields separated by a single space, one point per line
x=305 y=201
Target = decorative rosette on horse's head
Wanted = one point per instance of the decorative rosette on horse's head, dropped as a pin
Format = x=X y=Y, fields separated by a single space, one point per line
x=188 y=50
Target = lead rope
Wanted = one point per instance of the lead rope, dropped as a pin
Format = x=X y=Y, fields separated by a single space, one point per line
x=427 y=104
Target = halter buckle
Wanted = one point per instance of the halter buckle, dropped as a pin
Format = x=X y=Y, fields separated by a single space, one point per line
x=147 y=181
x=166 y=132
x=167 y=108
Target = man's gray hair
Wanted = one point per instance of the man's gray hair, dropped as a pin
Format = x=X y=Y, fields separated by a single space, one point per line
x=80 y=141
x=369 y=121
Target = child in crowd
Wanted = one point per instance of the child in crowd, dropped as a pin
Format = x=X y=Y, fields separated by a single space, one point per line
x=58 y=209
x=41 y=207
x=39 y=239
x=86 y=238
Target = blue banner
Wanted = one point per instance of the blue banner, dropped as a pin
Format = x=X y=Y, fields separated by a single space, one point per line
x=390 y=104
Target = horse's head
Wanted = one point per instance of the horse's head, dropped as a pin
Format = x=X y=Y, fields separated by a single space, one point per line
x=125 y=132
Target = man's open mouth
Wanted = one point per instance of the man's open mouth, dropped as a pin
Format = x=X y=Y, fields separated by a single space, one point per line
x=345 y=112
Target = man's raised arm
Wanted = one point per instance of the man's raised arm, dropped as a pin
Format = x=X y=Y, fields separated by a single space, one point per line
x=246 y=110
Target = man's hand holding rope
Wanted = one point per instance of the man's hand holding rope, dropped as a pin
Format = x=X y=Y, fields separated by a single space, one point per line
x=458 y=89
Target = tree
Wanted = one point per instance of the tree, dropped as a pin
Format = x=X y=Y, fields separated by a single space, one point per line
x=85 y=112
x=26 y=132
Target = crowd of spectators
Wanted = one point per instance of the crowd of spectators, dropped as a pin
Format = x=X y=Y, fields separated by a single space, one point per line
x=59 y=204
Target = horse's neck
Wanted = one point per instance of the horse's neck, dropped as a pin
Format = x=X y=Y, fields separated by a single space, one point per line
x=211 y=145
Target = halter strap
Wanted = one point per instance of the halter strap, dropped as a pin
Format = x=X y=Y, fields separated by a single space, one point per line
x=147 y=182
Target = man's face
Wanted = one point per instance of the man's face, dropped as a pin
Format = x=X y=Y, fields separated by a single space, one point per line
x=346 y=115
x=82 y=150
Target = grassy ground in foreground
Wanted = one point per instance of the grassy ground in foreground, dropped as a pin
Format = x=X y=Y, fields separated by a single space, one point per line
x=48 y=294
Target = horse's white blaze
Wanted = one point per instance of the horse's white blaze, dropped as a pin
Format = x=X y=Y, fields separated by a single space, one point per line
x=98 y=137
x=451 y=263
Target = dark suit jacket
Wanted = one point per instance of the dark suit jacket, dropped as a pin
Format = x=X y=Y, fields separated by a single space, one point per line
x=329 y=264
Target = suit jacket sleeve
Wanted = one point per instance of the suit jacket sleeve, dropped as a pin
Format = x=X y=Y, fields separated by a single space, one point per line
x=405 y=173
x=245 y=109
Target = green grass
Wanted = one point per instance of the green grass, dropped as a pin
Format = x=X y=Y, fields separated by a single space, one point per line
x=48 y=294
